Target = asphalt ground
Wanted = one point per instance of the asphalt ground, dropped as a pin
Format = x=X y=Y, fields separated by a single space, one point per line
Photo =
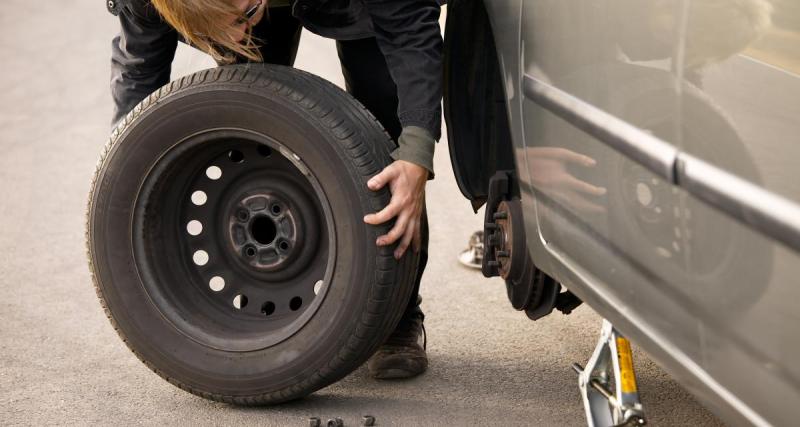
x=62 y=363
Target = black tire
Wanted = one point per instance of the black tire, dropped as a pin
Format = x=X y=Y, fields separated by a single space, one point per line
x=138 y=249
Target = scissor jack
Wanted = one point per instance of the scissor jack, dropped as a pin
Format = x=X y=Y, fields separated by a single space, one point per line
x=611 y=358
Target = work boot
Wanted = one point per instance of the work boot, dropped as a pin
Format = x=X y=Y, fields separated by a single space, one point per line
x=403 y=353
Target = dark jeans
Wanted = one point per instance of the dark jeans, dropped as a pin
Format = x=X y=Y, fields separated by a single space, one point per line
x=367 y=79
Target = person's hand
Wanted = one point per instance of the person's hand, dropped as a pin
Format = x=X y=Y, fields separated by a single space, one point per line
x=406 y=182
x=549 y=173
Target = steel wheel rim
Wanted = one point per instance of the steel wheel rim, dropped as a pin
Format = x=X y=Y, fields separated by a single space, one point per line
x=233 y=283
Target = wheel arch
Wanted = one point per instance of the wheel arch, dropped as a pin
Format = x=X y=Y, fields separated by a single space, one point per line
x=478 y=127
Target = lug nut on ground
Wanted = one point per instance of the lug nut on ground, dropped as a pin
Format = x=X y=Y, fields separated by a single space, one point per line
x=335 y=422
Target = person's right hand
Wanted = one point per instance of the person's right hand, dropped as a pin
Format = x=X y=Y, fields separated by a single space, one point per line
x=406 y=182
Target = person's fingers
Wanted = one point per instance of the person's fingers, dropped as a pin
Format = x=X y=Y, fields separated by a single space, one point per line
x=390 y=211
x=574 y=201
x=407 y=237
x=579 y=203
x=583 y=186
x=567 y=156
x=381 y=179
x=396 y=232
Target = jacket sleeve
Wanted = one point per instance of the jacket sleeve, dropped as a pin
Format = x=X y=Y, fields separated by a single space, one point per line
x=141 y=55
x=410 y=39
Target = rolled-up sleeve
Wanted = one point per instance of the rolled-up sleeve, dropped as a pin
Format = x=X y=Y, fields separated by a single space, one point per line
x=410 y=39
x=141 y=57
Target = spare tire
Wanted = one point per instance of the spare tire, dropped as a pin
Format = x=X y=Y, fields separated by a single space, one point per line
x=226 y=240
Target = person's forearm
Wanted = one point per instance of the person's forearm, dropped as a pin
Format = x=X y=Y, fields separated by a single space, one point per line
x=130 y=85
x=416 y=145
x=141 y=58
x=409 y=36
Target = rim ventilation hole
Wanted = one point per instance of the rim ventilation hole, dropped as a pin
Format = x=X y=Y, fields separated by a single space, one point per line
x=264 y=151
x=295 y=303
x=199 y=198
x=236 y=156
x=216 y=283
x=194 y=227
x=268 y=308
x=240 y=301
x=214 y=172
x=317 y=287
x=200 y=257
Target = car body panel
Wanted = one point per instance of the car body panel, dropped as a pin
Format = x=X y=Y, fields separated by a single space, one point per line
x=709 y=295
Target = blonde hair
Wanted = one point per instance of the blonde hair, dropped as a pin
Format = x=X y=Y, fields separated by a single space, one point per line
x=719 y=29
x=205 y=24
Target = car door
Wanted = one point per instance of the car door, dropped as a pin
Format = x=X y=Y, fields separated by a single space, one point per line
x=607 y=221
x=659 y=158
x=740 y=112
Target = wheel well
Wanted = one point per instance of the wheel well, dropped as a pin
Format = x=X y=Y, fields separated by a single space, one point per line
x=475 y=109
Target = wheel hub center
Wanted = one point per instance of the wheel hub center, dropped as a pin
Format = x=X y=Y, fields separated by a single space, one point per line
x=264 y=231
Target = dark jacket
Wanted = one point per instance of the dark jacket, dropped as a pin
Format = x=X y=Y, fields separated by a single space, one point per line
x=407 y=32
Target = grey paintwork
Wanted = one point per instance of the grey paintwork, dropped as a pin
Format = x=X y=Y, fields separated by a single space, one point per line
x=763 y=211
x=710 y=298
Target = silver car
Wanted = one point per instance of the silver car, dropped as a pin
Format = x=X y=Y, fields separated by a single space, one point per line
x=649 y=151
